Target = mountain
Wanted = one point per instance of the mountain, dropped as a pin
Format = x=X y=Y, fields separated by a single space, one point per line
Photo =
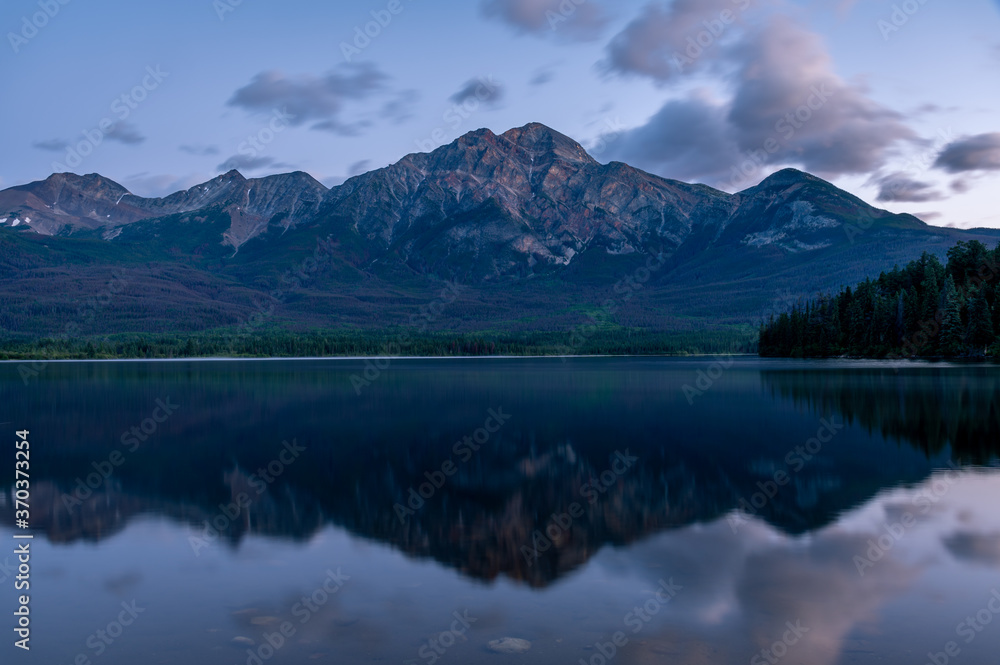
x=480 y=519
x=65 y=204
x=538 y=233
x=521 y=203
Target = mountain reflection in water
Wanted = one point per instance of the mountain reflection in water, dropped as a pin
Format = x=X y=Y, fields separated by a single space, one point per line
x=604 y=477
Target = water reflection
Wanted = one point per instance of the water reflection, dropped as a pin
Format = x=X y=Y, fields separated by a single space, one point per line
x=935 y=410
x=604 y=483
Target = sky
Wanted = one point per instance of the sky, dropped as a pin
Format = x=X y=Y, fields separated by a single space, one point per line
x=896 y=101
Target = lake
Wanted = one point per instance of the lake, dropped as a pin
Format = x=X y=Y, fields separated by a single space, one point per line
x=452 y=511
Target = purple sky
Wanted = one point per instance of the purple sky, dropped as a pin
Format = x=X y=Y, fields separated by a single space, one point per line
x=899 y=108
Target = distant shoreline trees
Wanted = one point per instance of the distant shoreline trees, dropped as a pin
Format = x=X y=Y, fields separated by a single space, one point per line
x=923 y=310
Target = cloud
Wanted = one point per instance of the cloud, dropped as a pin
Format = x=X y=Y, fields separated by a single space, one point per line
x=960 y=185
x=52 y=145
x=483 y=89
x=975 y=547
x=689 y=138
x=972 y=153
x=789 y=91
x=199 y=150
x=658 y=42
x=573 y=20
x=308 y=98
x=542 y=77
x=246 y=163
x=400 y=108
x=787 y=107
x=902 y=188
x=359 y=167
x=125 y=132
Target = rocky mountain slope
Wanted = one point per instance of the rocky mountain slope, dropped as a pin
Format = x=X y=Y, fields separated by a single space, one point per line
x=538 y=232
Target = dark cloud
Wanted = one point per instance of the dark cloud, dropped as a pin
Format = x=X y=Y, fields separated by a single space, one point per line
x=686 y=139
x=125 y=132
x=903 y=188
x=573 y=20
x=542 y=77
x=972 y=153
x=961 y=186
x=359 y=167
x=52 y=145
x=976 y=547
x=788 y=107
x=484 y=89
x=308 y=98
x=199 y=150
x=246 y=163
x=399 y=109
x=658 y=43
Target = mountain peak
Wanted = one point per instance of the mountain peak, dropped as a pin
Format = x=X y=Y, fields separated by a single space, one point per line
x=536 y=137
x=231 y=174
x=787 y=177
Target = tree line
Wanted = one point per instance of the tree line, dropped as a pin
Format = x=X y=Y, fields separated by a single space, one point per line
x=926 y=309
x=277 y=343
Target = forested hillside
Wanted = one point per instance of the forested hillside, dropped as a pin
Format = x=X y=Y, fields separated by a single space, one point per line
x=925 y=309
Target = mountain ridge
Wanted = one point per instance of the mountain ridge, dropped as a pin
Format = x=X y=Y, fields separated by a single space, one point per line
x=538 y=231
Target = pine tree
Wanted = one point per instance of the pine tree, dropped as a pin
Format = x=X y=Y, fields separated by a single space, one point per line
x=980 y=322
x=951 y=339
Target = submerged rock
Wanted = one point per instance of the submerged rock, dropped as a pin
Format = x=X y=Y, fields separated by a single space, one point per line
x=509 y=645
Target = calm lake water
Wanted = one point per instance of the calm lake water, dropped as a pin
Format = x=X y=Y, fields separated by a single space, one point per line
x=604 y=510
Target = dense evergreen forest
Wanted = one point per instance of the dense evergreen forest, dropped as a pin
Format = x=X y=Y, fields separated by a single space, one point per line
x=284 y=343
x=923 y=310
